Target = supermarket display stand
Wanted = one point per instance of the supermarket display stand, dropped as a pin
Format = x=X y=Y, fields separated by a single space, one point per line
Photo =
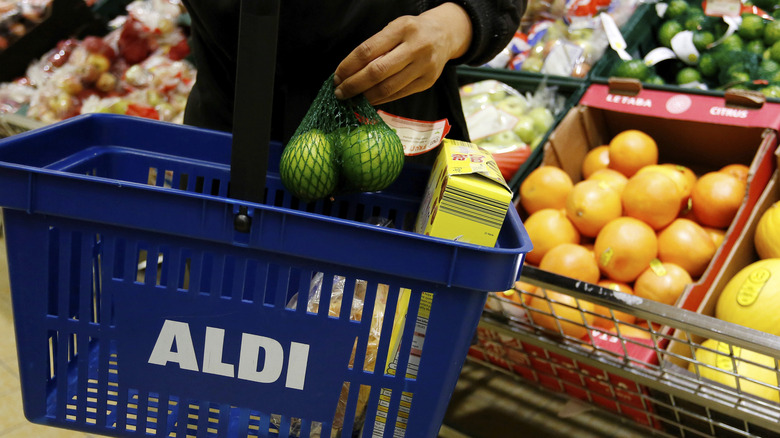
x=677 y=403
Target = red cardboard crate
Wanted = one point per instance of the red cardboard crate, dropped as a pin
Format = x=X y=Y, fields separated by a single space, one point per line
x=699 y=131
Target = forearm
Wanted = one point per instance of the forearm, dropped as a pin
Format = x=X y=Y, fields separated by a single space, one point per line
x=455 y=21
x=493 y=23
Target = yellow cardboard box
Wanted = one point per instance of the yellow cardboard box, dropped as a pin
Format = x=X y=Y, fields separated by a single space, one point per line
x=466 y=198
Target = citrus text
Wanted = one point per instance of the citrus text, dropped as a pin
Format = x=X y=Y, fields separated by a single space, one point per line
x=729 y=112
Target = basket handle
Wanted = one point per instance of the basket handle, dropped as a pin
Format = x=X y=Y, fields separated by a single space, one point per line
x=255 y=70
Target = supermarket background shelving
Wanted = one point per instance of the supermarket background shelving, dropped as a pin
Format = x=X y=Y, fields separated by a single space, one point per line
x=525 y=380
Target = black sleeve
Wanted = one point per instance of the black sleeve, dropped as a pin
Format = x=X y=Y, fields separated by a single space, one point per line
x=494 y=23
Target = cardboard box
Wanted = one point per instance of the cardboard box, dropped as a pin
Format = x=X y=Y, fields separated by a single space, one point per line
x=466 y=198
x=741 y=254
x=701 y=132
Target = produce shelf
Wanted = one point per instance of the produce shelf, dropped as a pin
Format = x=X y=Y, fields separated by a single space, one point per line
x=570 y=88
x=67 y=18
x=639 y=376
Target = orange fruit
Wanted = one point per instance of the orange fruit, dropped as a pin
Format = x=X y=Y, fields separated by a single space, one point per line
x=684 y=184
x=591 y=204
x=607 y=321
x=767 y=235
x=548 y=228
x=716 y=197
x=596 y=158
x=511 y=295
x=561 y=313
x=717 y=235
x=545 y=187
x=662 y=282
x=571 y=260
x=740 y=171
x=525 y=290
x=611 y=178
x=689 y=175
x=687 y=244
x=631 y=150
x=630 y=331
x=624 y=248
x=653 y=198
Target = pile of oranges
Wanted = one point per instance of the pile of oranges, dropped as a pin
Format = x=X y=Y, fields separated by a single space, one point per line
x=631 y=224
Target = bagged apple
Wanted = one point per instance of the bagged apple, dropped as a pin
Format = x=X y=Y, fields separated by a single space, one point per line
x=507 y=123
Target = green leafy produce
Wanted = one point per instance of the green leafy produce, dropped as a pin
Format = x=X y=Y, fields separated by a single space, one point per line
x=634 y=68
x=688 y=75
x=676 y=8
x=667 y=31
x=752 y=27
x=702 y=39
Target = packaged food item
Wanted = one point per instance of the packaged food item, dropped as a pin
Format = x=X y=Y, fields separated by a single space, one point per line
x=507 y=123
x=137 y=69
x=18 y=17
x=466 y=198
x=563 y=37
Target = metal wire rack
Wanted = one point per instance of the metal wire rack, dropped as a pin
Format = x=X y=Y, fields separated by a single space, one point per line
x=653 y=370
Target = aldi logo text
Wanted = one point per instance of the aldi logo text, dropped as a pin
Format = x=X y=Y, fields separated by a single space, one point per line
x=174 y=345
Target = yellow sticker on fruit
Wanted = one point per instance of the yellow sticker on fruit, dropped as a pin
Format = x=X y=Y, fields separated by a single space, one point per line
x=606 y=256
x=749 y=290
x=657 y=267
x=724 y=360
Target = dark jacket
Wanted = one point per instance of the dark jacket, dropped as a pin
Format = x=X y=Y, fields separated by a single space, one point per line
x=314 y=36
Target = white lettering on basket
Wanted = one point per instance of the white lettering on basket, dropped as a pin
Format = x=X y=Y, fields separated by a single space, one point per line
x=729 y=112
x=629 y=100
x=249 y=366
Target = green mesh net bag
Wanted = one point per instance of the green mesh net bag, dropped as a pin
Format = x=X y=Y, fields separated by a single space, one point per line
x=340 y=146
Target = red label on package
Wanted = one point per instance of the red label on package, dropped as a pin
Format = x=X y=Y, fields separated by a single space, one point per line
x=417 y=136
x=721 y=8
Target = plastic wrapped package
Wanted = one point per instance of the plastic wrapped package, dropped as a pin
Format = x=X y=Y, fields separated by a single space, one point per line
x=14 y=96
x=563 y=38
x=18 y=17
x=507 y=123
x=138 y=69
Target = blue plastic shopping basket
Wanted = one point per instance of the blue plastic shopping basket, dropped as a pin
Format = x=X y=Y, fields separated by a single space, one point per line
x=143 y=307
x=87 y=199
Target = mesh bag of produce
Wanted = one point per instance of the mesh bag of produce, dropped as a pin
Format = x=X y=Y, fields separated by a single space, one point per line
x=340 y=146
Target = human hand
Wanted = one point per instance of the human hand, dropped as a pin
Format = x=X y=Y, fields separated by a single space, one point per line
x=405 y=57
